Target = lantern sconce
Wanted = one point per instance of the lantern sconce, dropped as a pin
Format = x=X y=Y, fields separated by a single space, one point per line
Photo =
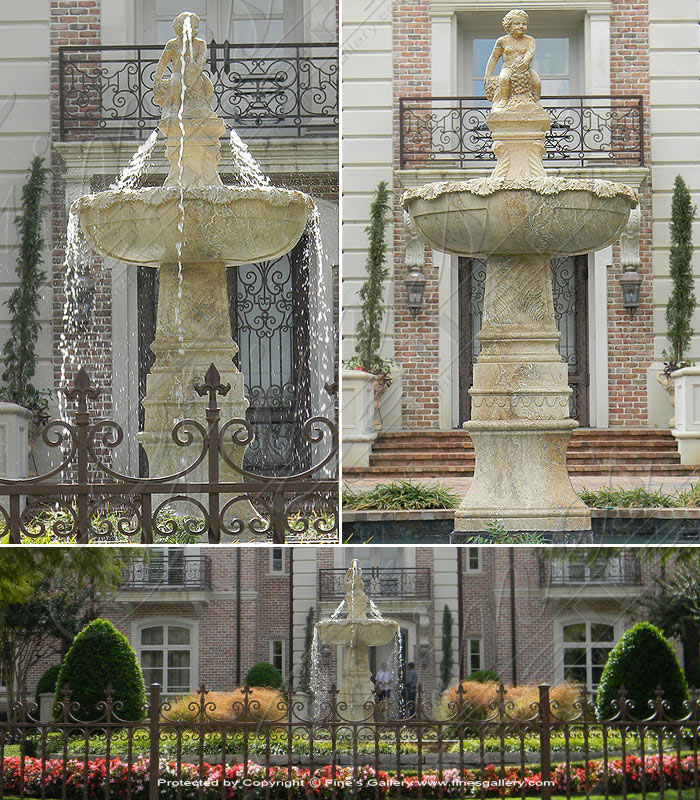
x=415 y=289
x=631 y=283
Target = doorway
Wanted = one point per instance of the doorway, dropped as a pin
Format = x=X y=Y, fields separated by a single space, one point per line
x=569 y=284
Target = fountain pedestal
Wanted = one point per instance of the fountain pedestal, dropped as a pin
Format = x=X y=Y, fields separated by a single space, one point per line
x=518 y=219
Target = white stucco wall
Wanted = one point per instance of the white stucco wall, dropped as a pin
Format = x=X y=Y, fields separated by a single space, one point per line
x=24 y=134
x=674 y=37
x=366 y=69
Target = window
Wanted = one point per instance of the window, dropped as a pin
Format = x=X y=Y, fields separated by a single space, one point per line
x=277 y=655
x=473 y=559
x=474 y=655
x=166 y=567
x=165 y=652
x=277 y=560
x=586 y=646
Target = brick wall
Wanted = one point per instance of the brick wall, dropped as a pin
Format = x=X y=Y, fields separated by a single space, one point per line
x=77 y=22
x=416 y=340
x=631 y=342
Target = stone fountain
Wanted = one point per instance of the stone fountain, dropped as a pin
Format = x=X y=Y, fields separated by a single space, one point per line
x=518 y=218
x=192 y=228
x=356 y=632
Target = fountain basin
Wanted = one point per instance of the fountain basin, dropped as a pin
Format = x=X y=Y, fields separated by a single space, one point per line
x=357 y=632
x=222 y=224
x=556 y=216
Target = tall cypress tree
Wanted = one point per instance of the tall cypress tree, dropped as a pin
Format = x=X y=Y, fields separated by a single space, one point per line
x=681 y=304
x=447 y=661
x=23 y=303
x=369 y=328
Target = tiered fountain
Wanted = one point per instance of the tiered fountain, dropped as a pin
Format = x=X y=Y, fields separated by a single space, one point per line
x=192 y=228
x=356 y=633
x=518 y=218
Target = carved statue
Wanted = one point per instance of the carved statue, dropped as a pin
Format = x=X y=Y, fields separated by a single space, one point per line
x=517 y=80
x=199 y=90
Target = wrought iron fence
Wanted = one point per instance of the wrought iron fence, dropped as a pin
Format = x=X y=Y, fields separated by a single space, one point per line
x=196 y=502
x=401 y=583
x=621 y=570
x=106 y=90
x=172 y=571
x=244 y=747
x=451 y=132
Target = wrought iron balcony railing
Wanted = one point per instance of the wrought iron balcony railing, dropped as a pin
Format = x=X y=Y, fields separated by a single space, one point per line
x=399 y=583
x=618 y=570
x=168 y=572
x=282 y=89
x=451 y=132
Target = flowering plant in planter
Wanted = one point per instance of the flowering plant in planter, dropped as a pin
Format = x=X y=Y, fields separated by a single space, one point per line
x=381 y=367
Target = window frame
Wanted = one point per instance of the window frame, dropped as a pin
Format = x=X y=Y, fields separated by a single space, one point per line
x=277 y=572
x=560 y=645
x=165 y=622
x=470 y=640
x=277 y=640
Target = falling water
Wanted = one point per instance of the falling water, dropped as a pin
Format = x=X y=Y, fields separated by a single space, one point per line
x=397 y=672
x=319 y=680
x=77 y=264
x=186 y=40
x=249 y=171
x=321 y=322
x=139 y=163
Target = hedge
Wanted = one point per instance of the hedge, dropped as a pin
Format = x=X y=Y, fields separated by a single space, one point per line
x=101 y=656
x=264 y=675
x=641 y=661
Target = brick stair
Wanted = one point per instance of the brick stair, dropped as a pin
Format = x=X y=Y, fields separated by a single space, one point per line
x=426 y=454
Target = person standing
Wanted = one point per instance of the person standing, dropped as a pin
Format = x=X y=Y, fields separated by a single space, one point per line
x=383 y=681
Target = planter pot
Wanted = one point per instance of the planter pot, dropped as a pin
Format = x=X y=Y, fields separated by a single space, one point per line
x=668 y=385
x=687 y=421
x=14 y=440
x=358 y=417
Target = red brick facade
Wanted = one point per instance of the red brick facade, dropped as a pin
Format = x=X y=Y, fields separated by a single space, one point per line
x=77 y=22
x=416 y=340
x=631 y=341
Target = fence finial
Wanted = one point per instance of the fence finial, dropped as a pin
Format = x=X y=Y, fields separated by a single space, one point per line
x=212 y=386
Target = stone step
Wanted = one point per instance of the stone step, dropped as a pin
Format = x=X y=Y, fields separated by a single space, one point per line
x=433 y=470
x=598 y=457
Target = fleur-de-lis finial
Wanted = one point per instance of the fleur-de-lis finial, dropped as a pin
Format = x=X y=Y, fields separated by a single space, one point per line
x=212 y=386
x=82 y=389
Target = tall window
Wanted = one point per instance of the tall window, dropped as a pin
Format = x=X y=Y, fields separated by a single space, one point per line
x=277 y=654
x=165 y=652
x=277 y=560
x=586 y=646
x=166 y=567
x=473 y=559
x=474 y=655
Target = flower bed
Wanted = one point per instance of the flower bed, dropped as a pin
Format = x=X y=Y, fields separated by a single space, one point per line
x=294 y=782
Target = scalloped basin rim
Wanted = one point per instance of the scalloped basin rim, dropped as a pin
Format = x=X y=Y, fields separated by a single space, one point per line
x=369 y=631
x=456 y=217
x=233 y=225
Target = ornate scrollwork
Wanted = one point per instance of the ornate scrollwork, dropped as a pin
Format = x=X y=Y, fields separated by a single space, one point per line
x=452 y=132
x=290 y=88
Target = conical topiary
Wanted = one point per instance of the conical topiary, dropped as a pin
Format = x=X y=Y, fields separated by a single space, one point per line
x=642 y=661
x=101 y=656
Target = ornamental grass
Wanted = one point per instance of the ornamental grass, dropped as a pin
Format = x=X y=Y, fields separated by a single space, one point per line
x=262 y=705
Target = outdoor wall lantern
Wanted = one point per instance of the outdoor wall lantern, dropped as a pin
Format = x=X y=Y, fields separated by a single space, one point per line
x=631 y=283
x=415 y=289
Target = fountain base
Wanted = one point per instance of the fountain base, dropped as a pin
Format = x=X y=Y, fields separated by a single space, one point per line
x=520 y=477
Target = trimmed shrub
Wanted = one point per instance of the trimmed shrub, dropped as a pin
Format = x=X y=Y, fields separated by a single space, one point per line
x=47 y=682
x=692 y=674
x=264 y=674
x=641 y=661
x=481 y=700
x=101 y=656
x=262 y=704
x=484 y=676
